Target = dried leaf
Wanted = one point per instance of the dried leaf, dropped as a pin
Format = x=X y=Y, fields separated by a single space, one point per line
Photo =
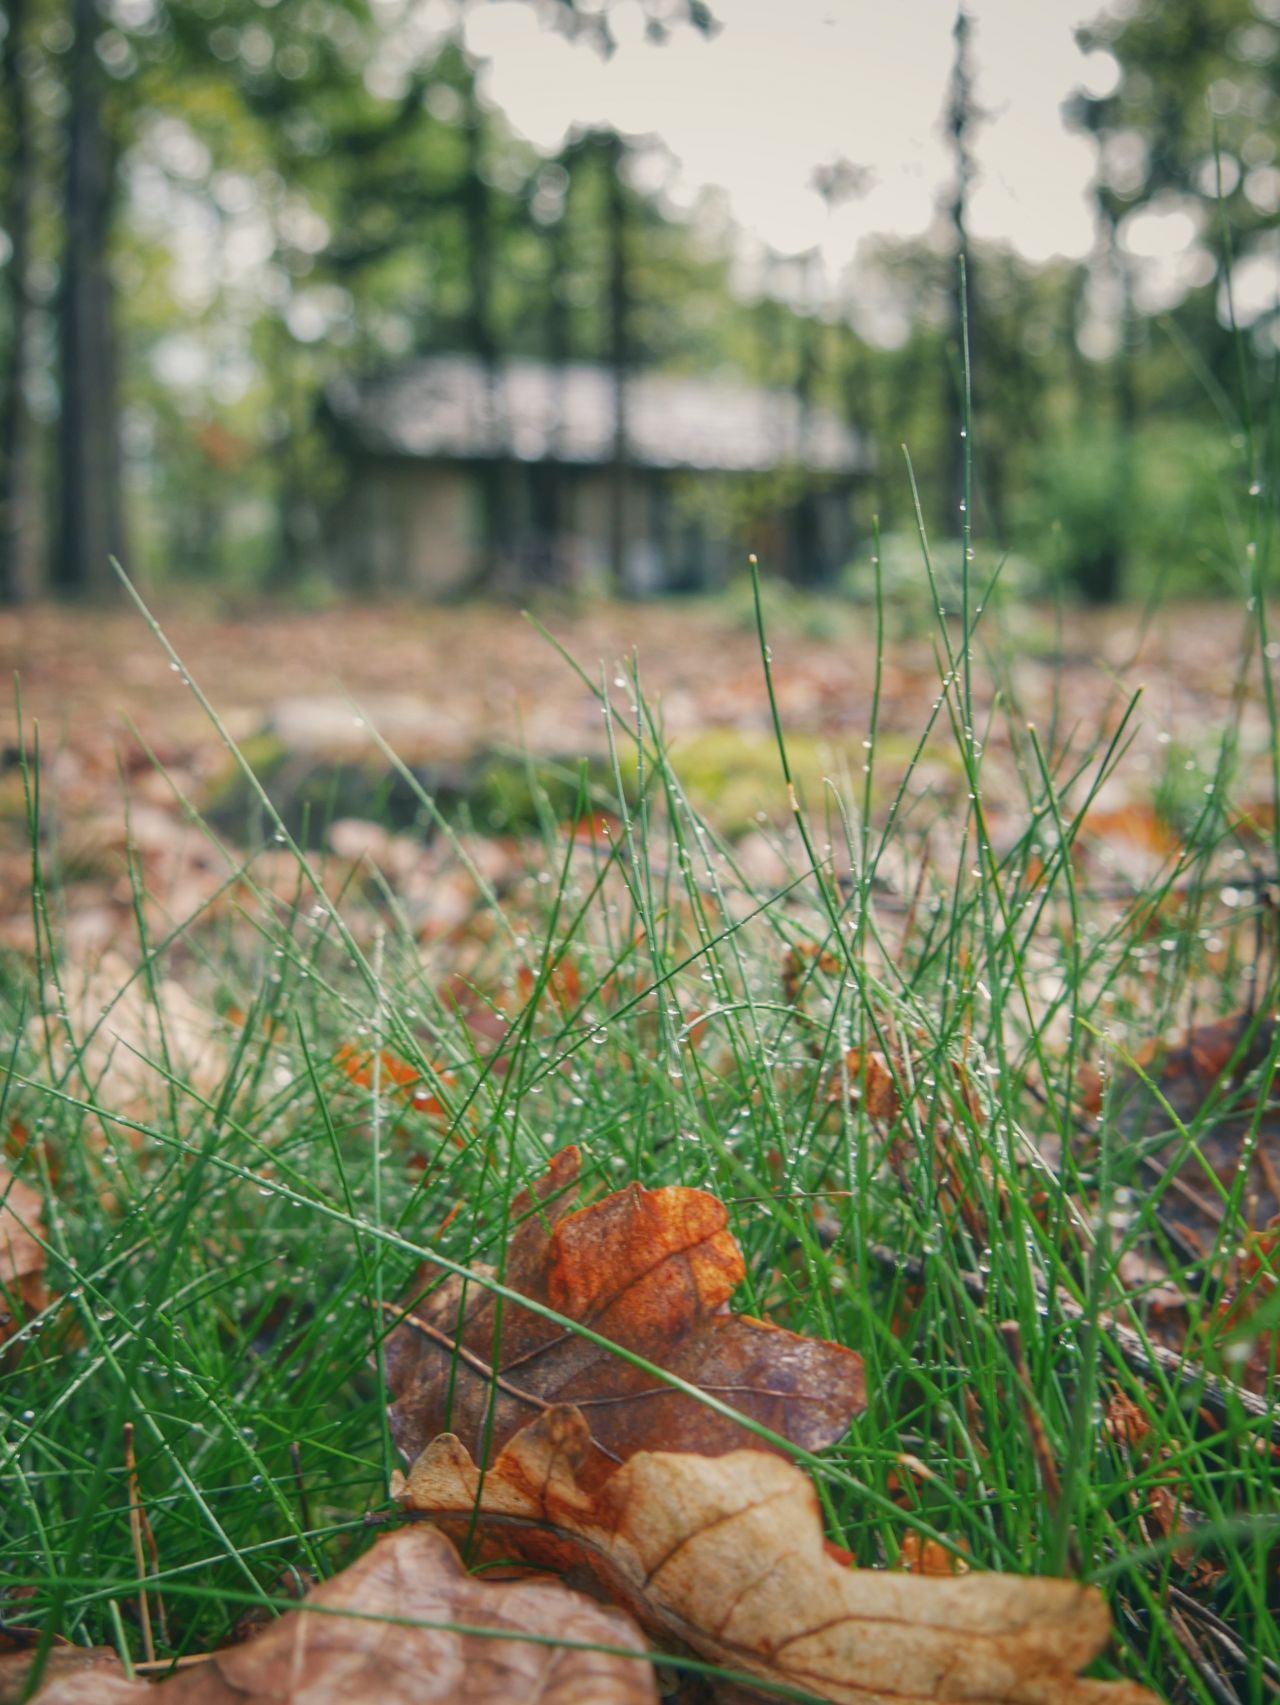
x=1125 y=1422
x=728 y=1557
x=880 y=1095
x=652 y=1271
x=413 y=1576
x=124 y=1026
x=393 y=1075
x=563 y=985
x=920 y=1556
x=88 y=1667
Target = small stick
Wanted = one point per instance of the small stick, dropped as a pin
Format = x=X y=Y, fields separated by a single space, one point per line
x=1217 y=1630
x=295 y=1457
x=135 y=1533
x=1213 y=1680
x=167 y=1664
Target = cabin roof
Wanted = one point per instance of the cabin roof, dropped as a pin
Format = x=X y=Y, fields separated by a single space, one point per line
x=444 y=408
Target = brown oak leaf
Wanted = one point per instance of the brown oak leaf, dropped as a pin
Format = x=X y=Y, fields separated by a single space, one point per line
x=728 y=1557
x=320 y=1656
x=650 y=1270
x=84 y=1662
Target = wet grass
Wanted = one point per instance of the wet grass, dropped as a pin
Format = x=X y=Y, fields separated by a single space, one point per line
x=222 y=1218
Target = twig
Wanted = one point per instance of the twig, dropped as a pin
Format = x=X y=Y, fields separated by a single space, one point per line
x=1208 y=1673
x=1217 y=1630
x=135 y=1533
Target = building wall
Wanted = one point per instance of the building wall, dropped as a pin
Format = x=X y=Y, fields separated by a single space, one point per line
x=413 y=529
x=406 y=528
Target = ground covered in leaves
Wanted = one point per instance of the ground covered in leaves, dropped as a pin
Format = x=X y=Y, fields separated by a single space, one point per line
x=789 y=1196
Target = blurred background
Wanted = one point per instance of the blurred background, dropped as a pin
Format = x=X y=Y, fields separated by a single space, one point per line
x=317 y=300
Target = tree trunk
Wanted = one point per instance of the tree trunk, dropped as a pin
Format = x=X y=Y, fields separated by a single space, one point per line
x=478 y=213
x=620 y=357
x=19 y=574
x=961 y=116
x=91 y=506
x=550 y=519
x=806 y=564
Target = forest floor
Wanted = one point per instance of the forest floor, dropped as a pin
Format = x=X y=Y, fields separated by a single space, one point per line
x=952 y=973
x=446 y=689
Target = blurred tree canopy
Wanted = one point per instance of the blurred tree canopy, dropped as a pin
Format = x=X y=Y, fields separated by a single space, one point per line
x=210 y=209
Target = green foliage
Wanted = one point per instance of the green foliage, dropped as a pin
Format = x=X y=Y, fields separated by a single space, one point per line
x=1107 y=515
x=302 y=193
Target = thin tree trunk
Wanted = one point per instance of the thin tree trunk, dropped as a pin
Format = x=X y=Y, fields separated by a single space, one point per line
x=1103 y=577
x=551 y=520
x=18 y=568
x=960 y=120
x=477 y=208
x=91 y=506
x=620 y=358
x=806 y=566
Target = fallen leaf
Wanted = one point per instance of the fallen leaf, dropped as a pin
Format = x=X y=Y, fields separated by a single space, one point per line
x=1125 y=1422
x=374 y=1651
x=922 y=1556
x=563 y=984
x=87 y=1667
x=728 y=1557
x=650 y=1270
x=1137 y=824
x=393 y=1074
x=129 y=1033
x=876 y=1090
x=796 y=963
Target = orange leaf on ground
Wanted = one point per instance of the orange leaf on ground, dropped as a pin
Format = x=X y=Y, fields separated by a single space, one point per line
x=394 y=1074
x=650 y=1270
x=920 y=1556
x=563 y=984
x=727 y=1556
x=374 y=1651
x=877 y=1090
x=85 y=1665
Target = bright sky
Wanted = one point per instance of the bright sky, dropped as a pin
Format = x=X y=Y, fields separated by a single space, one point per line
x=788 y=85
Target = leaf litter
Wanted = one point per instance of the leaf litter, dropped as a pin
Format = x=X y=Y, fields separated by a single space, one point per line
x=499 y=1390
